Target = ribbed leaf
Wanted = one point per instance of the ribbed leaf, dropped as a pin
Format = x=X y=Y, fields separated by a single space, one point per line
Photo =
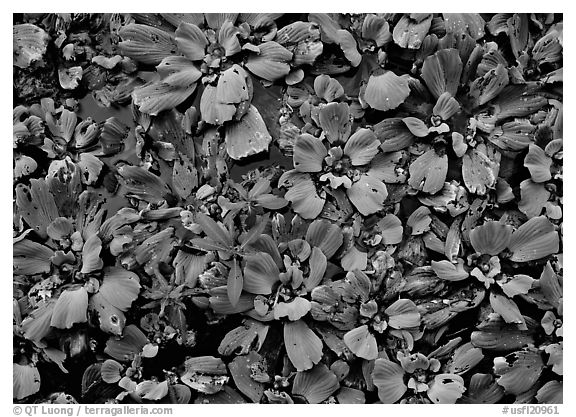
x=248 y=136
x=465 y=23
x=518 y=371
x=403 y=314
x=36 y=205
x=26 y=381
x=125 y=348
x=271 y=63
x=240 y=368
x=441 y=72
x=428 y=172
x=302 y=194
x=535 y=239
x=191 y=41
x=409 y=33
x=362 y=343
x=361 y=147
x=315 y=385
x=303 y=347
x=309 y=153
x=368 y=194
x=120 y=287
x=70 y=308
x=260 y=274
x=388 y=377
x=146 y=44
x=30 y=258
x=386 y=91
x=334 y=118
x=29 y=44
x=91 y=255
x=490 y=238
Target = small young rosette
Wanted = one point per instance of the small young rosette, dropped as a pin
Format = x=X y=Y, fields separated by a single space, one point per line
x=352 y=165
x=415 y=374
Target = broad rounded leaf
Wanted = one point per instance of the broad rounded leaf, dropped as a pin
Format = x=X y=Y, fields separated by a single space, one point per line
x=535 y=239
x=120 y=287
x=361 y=147
x=428 y=172
x=30 y=258
x=446 y=106
x=294 y=310
x=240 y=369
x=449 y=271
x=419 y=221
x=70 y=308
x=191 y=41
x=334 y=119
x=29 y=45
x=315 y=385
x=518 y=371
x=243 y=337
x=533 y=198
x=482 y=389
x=409 y=33
x=248 y=136
x=391 y=228
x=487 y=87
x=124 y=348
x=479 y=172
x=403 y=314
x=518 y=284
x=271 y=63
x=220 y=303
x=386 y=91
x=302 y=194
x=551 y=393
x=465 y=23
x=464 y=359
x=146 y=44
x=324 y=235
x=490 y=238
x=327 y=88
x=260 y=274
x=112 y=320
x=362 y=343
x=416 y=126
x=36 y=205
x=110 y=371
x=26 y=381
x=441 y=72
x=507 y=308
x=303 y=347
x=367 y=194
x=538 y=163
x=152 y=390
x=377 y=29
x=309 y=153
x=388 y=377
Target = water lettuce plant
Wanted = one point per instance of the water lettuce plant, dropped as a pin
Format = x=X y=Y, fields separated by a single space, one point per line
x=226 y=208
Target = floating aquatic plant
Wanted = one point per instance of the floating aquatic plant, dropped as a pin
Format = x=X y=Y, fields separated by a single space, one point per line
x=348 y=208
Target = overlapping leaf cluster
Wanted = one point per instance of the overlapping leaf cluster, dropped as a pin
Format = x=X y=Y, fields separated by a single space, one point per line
x=317 y=208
